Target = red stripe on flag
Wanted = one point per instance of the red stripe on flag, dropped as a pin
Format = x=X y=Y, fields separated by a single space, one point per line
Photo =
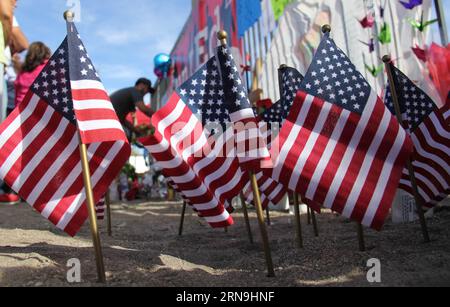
x=89 y=94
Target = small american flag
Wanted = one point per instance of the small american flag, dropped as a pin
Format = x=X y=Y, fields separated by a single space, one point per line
x=271 y=191
x=100 y=209
x=39 y=154
x=429 y=127
x=197 y=147
x=340 y=146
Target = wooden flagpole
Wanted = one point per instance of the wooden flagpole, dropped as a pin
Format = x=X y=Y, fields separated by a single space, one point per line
x=308 y=212
x=183 y=214
x=68 y=16
x=412 y=175
x=262 y=225
x=247 y=220
x=108 y=213
x=298 y=221
x=222 y=36
x=269 y=222
x=314 y=222
x=92 y=214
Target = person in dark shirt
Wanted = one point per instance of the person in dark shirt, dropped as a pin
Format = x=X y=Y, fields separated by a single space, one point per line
x=126 y=101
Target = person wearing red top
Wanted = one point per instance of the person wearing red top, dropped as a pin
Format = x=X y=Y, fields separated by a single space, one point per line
x=35 y=60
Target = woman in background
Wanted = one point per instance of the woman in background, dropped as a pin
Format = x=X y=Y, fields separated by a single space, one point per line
x=35 y=61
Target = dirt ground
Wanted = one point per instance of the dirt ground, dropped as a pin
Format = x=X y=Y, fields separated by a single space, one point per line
x=145 y=250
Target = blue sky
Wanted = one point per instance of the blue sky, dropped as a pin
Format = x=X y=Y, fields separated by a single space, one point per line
x=121 y=36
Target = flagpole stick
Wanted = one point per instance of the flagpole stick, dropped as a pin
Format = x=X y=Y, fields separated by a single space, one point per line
x=442 y=22
x=361 y=242
x=183 y=214
x=92 y=213
x=308 y=212
x=222 y=36
x=314 y=222
x=298 y=221
x=108 y=213
x=247 y=220
x=262 y=225
x=269 y=222
x=412 y=175
x=68 y=16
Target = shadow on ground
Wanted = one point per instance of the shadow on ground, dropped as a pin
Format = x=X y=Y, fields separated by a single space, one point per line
x=145 y=250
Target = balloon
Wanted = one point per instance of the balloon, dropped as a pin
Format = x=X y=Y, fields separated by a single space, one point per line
x=162 y=62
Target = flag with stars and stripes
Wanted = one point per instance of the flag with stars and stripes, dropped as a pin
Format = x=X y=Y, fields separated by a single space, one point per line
x=273 y=118
x=100 y=209
x=429 y=127
x=39 y=141
x=204 y=136
x=340 y=146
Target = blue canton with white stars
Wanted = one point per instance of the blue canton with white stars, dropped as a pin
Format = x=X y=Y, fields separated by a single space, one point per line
x=69 y=62
x=81 y=67
x=415 y=105
x=290 y=80
x=333 y=78
x=53 y=83
x=216 y=90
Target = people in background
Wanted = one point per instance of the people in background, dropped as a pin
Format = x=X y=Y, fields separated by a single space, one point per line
x=19 y=43
x=6 y=25
x=35 y=61
x=126 y=101
x=12 y=42
x=15 y=42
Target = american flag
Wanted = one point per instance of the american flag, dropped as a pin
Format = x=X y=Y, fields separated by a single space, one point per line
x=100 y=209
x=340 y=146
x=429 y=127
x=39 y=141
x=274 y=117
x=205 y=157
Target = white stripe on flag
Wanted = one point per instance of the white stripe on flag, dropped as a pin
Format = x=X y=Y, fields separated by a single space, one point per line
x=367 y=164
x=309 y=146
x=218 y=218
x=95 y=178
x=431 y=170
x=53 y=170
x=81 y=105
x=19 y=120
x=425 y=153
x=380 y=189
x=40 y=155
x=99 y=124
x=65 y=186
x=292 y=138
x=350 y=151
x=26 y=142
x=328 y=153
x=86 y=84
x=242 y=115
x=231 y=184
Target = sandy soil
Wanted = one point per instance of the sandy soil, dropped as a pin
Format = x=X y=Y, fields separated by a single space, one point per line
x=145 y=250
